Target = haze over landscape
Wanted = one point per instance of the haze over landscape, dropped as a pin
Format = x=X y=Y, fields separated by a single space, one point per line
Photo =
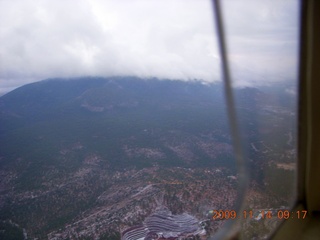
x=113 y=119
x=94 y=157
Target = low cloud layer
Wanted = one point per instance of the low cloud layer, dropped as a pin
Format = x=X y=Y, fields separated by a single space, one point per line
x=42 y=39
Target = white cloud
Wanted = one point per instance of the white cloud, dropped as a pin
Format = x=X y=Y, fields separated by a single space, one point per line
x=262 y=40
x=162 y=38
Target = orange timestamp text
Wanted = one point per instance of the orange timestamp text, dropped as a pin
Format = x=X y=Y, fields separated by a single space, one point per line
x=259 y=214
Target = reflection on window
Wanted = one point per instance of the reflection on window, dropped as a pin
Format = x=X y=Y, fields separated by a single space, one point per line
x=128 y=138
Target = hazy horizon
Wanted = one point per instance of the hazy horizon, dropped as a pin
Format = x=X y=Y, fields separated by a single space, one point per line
x=162 y=39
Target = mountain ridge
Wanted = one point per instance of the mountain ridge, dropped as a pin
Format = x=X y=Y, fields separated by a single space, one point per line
x=94 y=156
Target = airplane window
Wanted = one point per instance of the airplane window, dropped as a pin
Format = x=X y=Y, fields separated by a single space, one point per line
x=115 y=124
x=262 y=45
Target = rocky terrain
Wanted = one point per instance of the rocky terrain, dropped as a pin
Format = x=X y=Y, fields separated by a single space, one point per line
x=97 y=158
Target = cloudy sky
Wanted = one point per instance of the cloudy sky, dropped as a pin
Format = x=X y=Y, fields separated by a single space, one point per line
x=42 y=39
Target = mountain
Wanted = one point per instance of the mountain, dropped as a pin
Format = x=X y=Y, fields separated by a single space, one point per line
x=90 y=157
x=148 y=122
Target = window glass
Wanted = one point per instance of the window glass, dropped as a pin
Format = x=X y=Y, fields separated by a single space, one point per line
x=114 y=125
x=262 y=40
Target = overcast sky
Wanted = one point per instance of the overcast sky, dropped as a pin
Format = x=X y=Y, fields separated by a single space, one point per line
x=42 y=39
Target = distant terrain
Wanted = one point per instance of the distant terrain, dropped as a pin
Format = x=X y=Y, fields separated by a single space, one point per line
x=90 y=158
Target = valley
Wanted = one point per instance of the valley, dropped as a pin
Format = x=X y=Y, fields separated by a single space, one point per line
x=91 y=158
